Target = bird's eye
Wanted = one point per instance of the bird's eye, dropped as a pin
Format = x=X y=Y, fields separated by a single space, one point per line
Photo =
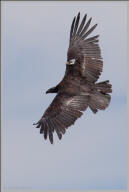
x=72 y=61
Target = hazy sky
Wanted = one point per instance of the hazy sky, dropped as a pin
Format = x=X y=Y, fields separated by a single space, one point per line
x=92 y=153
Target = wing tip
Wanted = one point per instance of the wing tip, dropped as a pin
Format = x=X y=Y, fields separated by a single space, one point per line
x=78 y=14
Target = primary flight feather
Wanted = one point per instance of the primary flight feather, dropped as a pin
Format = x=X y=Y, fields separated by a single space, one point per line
x=78 y=89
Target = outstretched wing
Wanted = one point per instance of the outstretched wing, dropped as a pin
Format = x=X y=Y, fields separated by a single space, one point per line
x=62 y=113
x=85 y=51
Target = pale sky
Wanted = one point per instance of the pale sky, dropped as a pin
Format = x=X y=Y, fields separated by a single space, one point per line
x=92 y=153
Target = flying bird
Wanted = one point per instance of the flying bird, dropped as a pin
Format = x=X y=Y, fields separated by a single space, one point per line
x=78 y=89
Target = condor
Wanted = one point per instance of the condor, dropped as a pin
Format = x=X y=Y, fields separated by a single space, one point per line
x=78 y=89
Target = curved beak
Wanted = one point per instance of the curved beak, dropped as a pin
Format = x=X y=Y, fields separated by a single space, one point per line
x=47 y=91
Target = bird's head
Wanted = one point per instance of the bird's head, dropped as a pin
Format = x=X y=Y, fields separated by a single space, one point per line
x=49 y=90
x=52 y=90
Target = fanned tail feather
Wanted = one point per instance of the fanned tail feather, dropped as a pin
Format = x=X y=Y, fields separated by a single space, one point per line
x=100 y=98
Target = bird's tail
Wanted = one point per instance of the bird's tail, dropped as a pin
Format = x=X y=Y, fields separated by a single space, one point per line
x=100 y=98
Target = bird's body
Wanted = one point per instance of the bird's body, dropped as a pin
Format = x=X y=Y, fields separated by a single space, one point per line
x=78 y=89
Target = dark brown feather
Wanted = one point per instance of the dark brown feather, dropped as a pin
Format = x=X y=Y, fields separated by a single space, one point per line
x=72 y=28
x=88 y=32
x=76 y=24
x=51 y=137
x=91 y=39
x=86 y=27
x=78 y=89
x=82 y=24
